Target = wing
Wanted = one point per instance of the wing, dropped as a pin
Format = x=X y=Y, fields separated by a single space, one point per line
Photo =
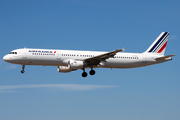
x=94 y=61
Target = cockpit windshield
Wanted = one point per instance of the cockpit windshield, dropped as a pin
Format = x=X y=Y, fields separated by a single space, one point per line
x=13 y=53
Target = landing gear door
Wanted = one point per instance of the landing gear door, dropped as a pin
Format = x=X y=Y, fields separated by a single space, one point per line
x=24 y=53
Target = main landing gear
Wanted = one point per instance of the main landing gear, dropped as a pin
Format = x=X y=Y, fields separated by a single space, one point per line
x=91 y=72
x=22 y=71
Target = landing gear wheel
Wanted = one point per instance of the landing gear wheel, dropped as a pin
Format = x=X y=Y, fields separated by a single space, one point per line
x=22 y=71
x=92 y=72
x=84 y=74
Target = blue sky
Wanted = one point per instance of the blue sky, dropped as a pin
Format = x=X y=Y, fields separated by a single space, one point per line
x=151 y=92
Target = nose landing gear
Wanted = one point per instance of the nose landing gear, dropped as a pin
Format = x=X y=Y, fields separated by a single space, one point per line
x=23 y=67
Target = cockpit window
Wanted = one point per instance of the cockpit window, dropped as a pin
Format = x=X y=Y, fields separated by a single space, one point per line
x=13 y=53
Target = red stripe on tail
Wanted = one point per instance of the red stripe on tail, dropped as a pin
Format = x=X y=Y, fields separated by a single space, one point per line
x=162 y=48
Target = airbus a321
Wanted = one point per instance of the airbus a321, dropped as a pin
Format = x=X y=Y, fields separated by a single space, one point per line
x=70 y=60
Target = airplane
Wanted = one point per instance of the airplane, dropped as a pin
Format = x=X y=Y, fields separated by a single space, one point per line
x=70 y=60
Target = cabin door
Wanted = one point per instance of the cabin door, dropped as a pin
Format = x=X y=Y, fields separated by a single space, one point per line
x=24 y=53
x=58 y=55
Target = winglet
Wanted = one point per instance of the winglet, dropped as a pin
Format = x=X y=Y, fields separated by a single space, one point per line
x=118 y=50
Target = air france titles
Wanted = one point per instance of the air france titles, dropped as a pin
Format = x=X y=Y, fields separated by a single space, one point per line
x=39 y=51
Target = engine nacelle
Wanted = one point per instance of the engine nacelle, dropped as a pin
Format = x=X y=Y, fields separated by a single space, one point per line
x=76 y=64
x=64 y=69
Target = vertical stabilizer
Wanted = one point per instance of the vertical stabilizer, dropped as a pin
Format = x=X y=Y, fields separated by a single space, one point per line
x=159 y=45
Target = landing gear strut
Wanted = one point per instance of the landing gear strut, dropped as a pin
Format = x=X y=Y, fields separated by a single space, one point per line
x=22 y=71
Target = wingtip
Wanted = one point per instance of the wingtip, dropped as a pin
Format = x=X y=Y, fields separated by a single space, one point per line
x=119 y=50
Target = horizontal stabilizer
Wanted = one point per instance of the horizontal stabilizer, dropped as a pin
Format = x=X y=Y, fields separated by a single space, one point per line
x=162 y=58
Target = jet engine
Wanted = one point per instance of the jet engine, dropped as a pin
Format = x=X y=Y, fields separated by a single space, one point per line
x=74 y=65
x=64 y=69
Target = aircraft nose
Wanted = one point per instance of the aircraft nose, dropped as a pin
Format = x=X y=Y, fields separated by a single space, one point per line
x=6 y=58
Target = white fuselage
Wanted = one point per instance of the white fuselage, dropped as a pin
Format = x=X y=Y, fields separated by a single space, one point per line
x=50 y=57
x=70 y=60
